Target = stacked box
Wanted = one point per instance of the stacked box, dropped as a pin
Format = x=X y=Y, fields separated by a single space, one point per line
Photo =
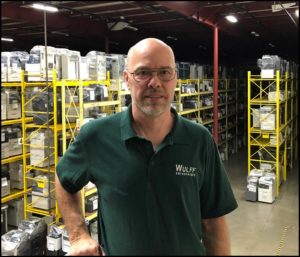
x=3 y=105
x=4 y=144
x=97 y=65
x=13 y=104
x=14 y=135
x=4 y=65
x=54 y=241
x=91 y=203
x=70 y=62
x=39 y=150
x=43 y=196
x=17 y=62
x=5 y=183
x=84 y=68
x=266 y=188
x=4 y=227
x=267 y=118
x=15 y=212
x=35 y=66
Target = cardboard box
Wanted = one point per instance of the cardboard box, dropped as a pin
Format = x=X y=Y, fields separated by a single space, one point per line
x=267 y=118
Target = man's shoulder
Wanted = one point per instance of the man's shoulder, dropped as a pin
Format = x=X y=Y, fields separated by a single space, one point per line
x=103 y=124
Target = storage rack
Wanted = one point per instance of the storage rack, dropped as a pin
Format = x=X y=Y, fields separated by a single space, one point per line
x=15 y=193
x=112 y=105
x=260 y=148
x=52 y=149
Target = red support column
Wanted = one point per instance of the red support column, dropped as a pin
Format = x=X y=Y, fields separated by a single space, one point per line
x=216 y=65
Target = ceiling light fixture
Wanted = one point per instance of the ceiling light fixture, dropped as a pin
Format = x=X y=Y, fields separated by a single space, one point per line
x=255 y=33
x=231 y=18
x=173 y=38
x=7 y=39
x=45 y=7
x=297 y=12
x=271 y=45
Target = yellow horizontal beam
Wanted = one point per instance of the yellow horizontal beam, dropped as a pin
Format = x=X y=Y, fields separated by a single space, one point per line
x=99 y=104
x=17 y=121
x=14 y=158
x=14 y=195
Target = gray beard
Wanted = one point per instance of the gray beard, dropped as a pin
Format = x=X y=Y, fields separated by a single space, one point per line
x=152 y=113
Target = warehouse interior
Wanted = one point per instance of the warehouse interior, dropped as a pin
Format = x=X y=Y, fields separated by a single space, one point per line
x=238 y=79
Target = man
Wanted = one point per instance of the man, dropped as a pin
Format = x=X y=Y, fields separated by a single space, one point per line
x=162 y=187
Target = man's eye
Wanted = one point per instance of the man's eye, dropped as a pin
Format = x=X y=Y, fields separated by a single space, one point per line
x=165 y=72
x=142 y=72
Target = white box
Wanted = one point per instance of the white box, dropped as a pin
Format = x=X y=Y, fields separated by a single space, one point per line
x=84 y=68
x=3 y=106
x=4 y=65
x=266 y=189
x=255 y=118
x=70 y=65
x=267 y=73
x=267 y=118
x=97 y=65
x=36 y=64
x=272 y=95
x=54 y=244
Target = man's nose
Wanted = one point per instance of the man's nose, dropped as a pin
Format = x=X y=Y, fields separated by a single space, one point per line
x=155 y=80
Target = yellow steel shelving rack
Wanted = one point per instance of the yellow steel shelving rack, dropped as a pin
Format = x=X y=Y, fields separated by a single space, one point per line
x=205 y=109
x=52 y=147
x=259 y=140
x=112 y=105
x=189 y=112
x=231 y=115
x=222 y=118
x=15 y=193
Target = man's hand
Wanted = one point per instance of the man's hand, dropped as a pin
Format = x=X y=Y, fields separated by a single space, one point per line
x=85 y=246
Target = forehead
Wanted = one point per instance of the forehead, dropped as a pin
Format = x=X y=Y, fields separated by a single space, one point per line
x=152 y=56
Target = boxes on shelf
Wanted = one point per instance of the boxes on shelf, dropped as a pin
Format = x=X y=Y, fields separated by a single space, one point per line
x=97 y=65
x=4 y=65
x=43 y=196
x=65 y=243
x=272 y=95
x=255 y=118
x=5 y=183
x=3 y=105
x=70 y=63
x=13 y=106
x=17 y=62
x=4 y=144
x=91 y=203
x=15 y=212
x=39 y=154
x=14 y=135
x=84 y=68
x=35 y=66
x=267 y=118
x=4 y=227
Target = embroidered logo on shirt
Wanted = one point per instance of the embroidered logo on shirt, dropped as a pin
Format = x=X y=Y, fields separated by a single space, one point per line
x=182 y=170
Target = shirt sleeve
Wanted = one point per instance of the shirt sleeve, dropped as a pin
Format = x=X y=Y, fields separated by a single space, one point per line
x=73 y=169
x=217 y=198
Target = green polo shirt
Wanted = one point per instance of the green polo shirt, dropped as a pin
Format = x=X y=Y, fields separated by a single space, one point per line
x=150 y=202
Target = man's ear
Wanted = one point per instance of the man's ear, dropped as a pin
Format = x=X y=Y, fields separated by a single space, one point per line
x=126 y=79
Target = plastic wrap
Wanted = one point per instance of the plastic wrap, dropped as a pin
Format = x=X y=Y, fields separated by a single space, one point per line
x=37 y=229
x=15 y=243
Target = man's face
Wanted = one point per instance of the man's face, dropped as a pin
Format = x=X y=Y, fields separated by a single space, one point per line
x=150 y=93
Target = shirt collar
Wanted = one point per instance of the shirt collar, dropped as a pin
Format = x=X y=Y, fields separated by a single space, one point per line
x=178 y=134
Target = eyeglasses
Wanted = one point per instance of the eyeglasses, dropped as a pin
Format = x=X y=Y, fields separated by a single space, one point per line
x=164 y=74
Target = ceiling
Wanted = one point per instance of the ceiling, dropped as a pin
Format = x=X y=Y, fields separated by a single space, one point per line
x=187 y=26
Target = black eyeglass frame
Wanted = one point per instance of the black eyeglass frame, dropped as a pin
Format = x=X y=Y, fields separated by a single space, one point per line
x=153 y=70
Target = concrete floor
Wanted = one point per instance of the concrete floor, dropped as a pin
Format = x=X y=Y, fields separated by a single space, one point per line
x=258 y=228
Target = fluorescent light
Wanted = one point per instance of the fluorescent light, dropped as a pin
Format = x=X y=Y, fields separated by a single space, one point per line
x=7 y=39
x=231 y=18
x=45 y=7
x=255 y=33
x=297 y=12
x=271 y=45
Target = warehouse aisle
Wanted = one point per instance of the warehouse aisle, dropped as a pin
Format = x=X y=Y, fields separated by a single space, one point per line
x=261 y=228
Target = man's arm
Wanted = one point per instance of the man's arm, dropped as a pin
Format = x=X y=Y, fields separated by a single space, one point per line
x=71 y=210
x=216 y=236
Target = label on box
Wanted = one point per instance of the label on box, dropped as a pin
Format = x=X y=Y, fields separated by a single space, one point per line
x=265 y=136
x=53 y=244
x=92 y=95
x=41 y=184
x=4 y=182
